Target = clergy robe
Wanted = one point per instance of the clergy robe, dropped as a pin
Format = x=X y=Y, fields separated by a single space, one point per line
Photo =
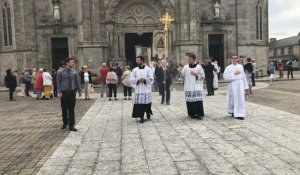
x=235 y=99
x=193 y=88
x=142 y=96
x=216 y=79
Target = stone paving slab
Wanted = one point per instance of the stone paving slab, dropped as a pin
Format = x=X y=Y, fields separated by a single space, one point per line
x=30 y=132
x=109 y=141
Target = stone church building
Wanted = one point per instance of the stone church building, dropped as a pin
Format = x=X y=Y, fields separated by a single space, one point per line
x=41 y=33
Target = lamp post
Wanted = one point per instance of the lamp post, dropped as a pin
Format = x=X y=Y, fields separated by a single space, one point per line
x=166 y=20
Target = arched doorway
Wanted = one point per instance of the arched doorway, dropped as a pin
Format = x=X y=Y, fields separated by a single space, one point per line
x=133 y=23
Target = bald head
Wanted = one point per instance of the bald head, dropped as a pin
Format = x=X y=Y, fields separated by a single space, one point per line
x=163 y=63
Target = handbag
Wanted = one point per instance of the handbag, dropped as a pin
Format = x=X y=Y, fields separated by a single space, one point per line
x=92 y=90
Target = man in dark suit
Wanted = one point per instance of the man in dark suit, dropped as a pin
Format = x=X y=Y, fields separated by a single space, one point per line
x=209 y=76
x=163 y=76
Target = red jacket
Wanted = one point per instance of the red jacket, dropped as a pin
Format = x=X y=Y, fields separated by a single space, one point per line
x=103 y=74
x=39 y=82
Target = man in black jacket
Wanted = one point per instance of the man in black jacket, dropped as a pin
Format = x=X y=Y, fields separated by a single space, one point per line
x=10 y=82
x=209 y=76
x=163 y=76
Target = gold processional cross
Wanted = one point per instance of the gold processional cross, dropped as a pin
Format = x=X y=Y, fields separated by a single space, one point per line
x=166 y=20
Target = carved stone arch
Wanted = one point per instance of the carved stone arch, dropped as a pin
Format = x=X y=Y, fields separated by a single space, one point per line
x=130 y=20
x=148 y=20
x=114 y=7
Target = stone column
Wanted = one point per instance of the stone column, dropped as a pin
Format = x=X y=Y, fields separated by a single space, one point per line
x=121 y=41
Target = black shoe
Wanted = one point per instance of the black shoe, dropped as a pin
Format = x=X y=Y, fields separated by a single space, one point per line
x=162 y=102
x=168 y=103
x=148 y=116
x=199 y=118
x=142 y=120
x=232 y=115
x=72 y=128
x=240 y=118
x=64 y=126
x=208 y=95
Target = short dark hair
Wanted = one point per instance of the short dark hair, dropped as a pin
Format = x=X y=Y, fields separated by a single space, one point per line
x=248 y=59
x=193 y=56
x=141 y=58
x=111 y=69
x=68 y=60
x=8 y=71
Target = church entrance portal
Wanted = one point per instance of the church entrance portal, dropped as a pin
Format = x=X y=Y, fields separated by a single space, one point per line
x=59 y=50
x=136 y=45
x=216 y=48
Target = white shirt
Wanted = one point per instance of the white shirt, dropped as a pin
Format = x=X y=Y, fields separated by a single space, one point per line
x=86 y=77
x=47 y=78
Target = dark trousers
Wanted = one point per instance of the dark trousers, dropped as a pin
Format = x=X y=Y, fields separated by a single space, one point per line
x=160 y=88
x=210 y=85
x=253 y=79
x=127 y=91
x=111 y=88
x=55 y=90
x=195 y=109
x=27 y=87
x=165 y=92
x=11 y=92
x=290 y=71
x=68 y=101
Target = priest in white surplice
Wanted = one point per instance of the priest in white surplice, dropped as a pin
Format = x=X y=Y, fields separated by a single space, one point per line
x=141 y=79
x=235 y=98
x=193 y=76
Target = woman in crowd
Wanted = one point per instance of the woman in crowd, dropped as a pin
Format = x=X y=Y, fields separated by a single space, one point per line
x=271 y=70
x=47 y=82
x=111 y=81
x=38 y=84
x=126 y=83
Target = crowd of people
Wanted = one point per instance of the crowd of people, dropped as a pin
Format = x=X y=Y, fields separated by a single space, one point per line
x=280 y=66
x=65 y=82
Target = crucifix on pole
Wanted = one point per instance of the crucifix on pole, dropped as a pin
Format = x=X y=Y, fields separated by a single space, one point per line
x=166 y=20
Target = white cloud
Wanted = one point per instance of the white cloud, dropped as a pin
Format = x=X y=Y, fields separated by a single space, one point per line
x=284 y=18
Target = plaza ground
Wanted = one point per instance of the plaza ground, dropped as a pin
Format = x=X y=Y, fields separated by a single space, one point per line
x=109 y=141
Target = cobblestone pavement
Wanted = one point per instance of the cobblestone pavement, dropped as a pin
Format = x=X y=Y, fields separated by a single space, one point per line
x=110 y=142
x=30 y=132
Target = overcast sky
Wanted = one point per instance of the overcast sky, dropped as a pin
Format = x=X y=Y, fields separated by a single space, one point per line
x=284 y=18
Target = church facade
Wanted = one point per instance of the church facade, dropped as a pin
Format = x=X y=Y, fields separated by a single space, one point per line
x=43 y=33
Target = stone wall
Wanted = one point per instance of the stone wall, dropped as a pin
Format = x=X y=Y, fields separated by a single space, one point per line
x=95 y=35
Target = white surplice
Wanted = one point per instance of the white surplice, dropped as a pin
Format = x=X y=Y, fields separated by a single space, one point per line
x=193 y=84
x=216 y=79
x=235 y=98
x=142 y=90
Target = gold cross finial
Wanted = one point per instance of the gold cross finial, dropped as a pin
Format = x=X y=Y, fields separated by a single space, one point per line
x=166 y=20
